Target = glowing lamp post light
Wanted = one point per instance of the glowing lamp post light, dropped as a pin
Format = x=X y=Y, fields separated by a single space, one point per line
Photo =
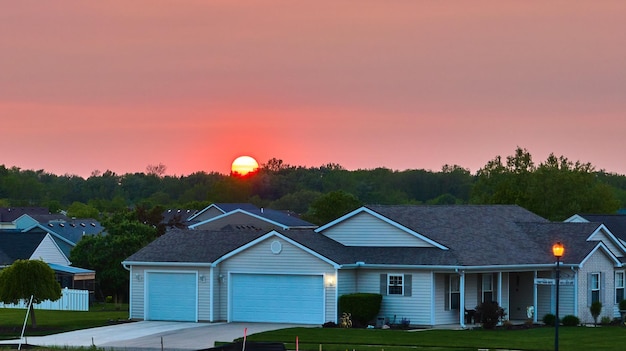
x=557 y=251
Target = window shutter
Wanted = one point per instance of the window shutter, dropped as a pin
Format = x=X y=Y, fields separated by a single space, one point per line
x=447 y=292
x=383 y=284
x=494 y=287
x=408 y=285
x=589 y=290
x=602 y=285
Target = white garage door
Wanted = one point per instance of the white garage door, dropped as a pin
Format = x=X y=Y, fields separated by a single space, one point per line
x=277 y=298
x=171 y=296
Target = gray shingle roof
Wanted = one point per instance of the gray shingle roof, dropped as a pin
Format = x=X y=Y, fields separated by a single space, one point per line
x=200 y=246
x=9 y=214
x=18 y=246
x=475 y=236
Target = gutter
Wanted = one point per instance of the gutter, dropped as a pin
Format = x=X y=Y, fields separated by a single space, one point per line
x=177 y=264
x=456 y=268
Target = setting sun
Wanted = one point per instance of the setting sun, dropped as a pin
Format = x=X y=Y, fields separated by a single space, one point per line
x=243 y=165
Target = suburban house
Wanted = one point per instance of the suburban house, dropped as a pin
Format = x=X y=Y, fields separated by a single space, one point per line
x=15 y=245
x=219 y=216
x=432 y=264
x=65 y=231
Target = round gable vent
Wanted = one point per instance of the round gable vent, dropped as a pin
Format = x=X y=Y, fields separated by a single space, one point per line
x=276 y=247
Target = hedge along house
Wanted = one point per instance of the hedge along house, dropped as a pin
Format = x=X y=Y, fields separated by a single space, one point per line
x=430 y=263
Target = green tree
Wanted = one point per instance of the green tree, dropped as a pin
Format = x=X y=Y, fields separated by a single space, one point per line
x=104 y=253
x=26 y=278
x=81 y=210
x=556 y=189
x=331 y=206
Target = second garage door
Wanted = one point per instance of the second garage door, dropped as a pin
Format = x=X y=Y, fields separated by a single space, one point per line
x=277 y=298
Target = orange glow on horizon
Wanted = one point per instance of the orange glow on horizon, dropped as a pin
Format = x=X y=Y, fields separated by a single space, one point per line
x=243 y=165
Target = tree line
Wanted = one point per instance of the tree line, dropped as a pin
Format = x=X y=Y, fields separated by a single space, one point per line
x=555 y=188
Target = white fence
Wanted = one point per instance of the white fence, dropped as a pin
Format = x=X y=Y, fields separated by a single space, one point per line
x=71 y=300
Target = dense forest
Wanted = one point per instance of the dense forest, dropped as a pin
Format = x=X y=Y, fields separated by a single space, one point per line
x=555 y=188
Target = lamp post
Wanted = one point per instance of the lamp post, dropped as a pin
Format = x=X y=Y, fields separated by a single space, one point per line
x=557 y=251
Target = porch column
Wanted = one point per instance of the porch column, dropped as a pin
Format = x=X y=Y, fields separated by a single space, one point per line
x=500 y=288
x=462 y=298
x=535 y=297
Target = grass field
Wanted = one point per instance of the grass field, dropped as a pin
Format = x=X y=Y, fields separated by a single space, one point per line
x=334 y=339
x=570 y=338
x=50 y=322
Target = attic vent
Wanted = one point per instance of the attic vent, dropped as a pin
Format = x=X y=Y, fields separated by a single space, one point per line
x=276 y=247
x=50 y=225
x=73 y=225
x=61 y=225
x=82 y=224
x=93 y=224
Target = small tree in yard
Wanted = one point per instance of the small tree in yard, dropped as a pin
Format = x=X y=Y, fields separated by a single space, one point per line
x=26 y=278
x=595 y=309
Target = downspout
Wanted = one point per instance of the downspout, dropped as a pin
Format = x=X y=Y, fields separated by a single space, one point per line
x=211 y=301
x=130 y=290
x=575 y=291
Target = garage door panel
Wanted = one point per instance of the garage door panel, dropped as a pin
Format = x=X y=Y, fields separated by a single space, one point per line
x=171 y=296
x=277 y=298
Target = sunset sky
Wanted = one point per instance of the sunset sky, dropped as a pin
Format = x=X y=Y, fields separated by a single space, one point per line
x=119 y=85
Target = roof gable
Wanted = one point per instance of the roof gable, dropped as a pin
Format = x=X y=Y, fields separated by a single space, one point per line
x=603 y=234
x=365 y=227
x=602 y=248
x=32 y=245
x=616 y=223
x=275 y=234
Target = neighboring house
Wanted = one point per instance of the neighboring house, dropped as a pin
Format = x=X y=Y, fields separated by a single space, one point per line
x=65 y=232
x=234 y=216
x=430 y=263
x=259 y=219
x=16 y=245
x=177 y=218
x=9 y=214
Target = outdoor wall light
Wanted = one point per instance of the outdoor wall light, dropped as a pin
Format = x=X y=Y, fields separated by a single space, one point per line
x=330 y=281
x=202 y=278
x=221 y=278
x=138 y=277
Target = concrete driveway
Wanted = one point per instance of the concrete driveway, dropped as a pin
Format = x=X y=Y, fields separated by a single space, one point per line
x=153 y=335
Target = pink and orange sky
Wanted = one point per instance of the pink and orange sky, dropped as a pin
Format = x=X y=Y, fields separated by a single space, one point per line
x=119 y=85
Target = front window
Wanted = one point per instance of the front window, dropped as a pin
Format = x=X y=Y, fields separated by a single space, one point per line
x=455 y=292
x=395 y=284
x=619 y=287
x=487 y=288
x=595 y=287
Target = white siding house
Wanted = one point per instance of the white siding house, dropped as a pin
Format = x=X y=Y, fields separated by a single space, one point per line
x=433 y=265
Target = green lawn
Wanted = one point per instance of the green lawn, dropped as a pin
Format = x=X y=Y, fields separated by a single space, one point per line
x=570 y=338
x=50 y=322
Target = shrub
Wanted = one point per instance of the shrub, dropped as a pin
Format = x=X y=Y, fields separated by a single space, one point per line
x=606 y=320
x=622 y=305
x=570 y=321
x=490 y=314
x=595 y=309
x=549 y=319
x=329 y=325
x=364 y=307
